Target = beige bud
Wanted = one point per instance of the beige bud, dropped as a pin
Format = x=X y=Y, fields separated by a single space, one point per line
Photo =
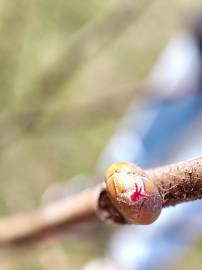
x=134 y=195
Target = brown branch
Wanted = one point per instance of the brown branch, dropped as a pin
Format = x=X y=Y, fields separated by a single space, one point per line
x=39 y=223
x=176 y=183
x=179 y=182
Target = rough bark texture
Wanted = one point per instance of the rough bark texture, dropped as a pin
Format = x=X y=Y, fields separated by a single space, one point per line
x=179 y=182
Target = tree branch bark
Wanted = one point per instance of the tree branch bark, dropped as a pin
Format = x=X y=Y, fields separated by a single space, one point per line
x=23 y=227
x=176 y=183
x=179 y=182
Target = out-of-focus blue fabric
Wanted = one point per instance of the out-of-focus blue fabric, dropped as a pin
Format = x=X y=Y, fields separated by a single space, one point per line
x=171 y=117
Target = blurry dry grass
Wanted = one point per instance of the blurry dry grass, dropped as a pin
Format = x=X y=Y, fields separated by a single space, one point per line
x=68 y=69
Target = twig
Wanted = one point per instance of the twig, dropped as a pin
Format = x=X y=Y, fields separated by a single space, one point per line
x=176 y=183
x=152 y=190
x=21 y=227
x=179 y=182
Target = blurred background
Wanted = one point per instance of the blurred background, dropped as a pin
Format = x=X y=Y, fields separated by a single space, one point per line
x=68 y=71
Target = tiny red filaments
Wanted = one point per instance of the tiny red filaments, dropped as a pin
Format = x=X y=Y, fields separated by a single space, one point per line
x=137 y=194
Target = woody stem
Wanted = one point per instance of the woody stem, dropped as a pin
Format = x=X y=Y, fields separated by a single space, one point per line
x=179 y=182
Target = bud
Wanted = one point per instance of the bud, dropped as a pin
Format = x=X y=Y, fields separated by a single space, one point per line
x=134 y=195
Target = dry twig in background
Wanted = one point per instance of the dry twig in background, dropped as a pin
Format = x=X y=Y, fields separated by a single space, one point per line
x=85 y=44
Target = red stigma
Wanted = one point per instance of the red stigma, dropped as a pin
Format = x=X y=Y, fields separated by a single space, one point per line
x=137 y=194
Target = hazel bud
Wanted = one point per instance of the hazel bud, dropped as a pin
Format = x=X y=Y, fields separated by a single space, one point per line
x=134 y=195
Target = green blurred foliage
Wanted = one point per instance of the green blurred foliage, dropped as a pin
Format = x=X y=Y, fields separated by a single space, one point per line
x=68 y=70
